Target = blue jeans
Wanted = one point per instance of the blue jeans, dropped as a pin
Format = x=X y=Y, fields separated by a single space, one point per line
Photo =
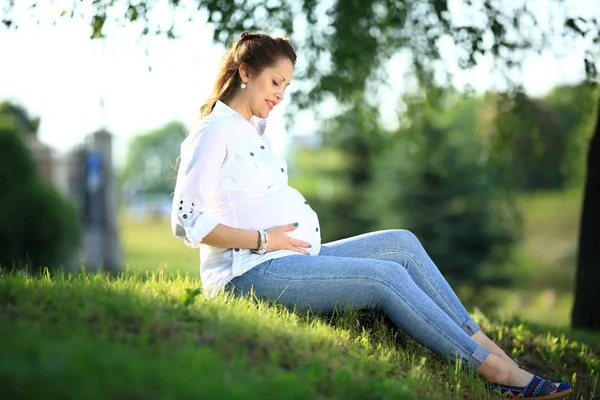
x=385 y=270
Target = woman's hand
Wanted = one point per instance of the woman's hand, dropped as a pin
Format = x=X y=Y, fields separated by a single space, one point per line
x=278 y=239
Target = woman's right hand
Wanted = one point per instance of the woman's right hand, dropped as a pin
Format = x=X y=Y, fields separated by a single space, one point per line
x=278 y=239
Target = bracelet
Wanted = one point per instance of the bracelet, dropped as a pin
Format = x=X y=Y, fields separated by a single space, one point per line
x=262 y=248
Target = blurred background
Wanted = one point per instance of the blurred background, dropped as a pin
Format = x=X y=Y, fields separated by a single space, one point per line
x=466 y=122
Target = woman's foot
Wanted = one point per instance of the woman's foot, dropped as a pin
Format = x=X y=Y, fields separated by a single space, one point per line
x=537 y=388
x=511 y=380
x=497 y=370
x=489 y=344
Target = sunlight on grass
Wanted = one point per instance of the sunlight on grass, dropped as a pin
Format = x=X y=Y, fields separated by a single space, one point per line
x=544 y=306
x=149 y=245
x=155 y=336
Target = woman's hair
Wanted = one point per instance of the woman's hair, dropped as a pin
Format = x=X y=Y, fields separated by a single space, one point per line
x=258 y=51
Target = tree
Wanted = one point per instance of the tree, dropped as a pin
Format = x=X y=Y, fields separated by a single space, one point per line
x=448 y=190
x=346 y=48
x=24 y=125
x=586 y=310
x=151 y=158
x=38 y=228
x=541 y=139
x=576 y=107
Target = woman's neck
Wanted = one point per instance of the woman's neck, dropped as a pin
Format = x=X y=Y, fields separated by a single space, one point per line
x=240 y=105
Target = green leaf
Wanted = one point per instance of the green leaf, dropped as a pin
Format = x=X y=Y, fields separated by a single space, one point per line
x=190 y=296
x=572 y=25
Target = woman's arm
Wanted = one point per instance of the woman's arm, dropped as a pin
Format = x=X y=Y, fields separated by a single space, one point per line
x=235 y=238
x=202 y=155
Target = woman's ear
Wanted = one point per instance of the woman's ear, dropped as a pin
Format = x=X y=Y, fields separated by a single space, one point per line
x=244 y=72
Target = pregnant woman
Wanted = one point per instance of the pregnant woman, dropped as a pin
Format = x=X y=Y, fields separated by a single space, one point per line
x=255 y=232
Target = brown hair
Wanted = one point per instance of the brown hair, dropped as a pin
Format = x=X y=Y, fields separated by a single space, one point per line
x=258 y=51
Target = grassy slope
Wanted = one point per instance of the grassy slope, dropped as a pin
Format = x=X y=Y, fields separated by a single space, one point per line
x=134 y=337
x=95 y=337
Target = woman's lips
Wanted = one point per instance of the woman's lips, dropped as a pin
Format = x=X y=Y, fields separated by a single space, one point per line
x=270 y=104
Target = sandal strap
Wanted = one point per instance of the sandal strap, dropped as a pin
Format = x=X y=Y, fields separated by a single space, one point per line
x=562 y=386
x=538 y=387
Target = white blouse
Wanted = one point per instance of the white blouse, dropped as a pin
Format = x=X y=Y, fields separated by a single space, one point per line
x=229 y=175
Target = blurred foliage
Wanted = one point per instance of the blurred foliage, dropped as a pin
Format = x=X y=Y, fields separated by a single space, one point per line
x=436 y=178
x=441 y=175
x=350 y=140
x=345 y=44
x=19 y=117
x=578 y=109
x=38 y=228
x=151 y=158
x=542 y=140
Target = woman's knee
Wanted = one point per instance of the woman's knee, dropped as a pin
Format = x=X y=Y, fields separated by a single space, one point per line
x=395 y=239
x=406 y=238
x=405 y=234
x=390 y=274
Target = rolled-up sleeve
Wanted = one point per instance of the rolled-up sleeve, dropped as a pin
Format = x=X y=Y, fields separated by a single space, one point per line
x=202 y=155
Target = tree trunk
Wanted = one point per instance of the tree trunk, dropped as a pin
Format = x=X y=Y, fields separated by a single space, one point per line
x=586 y=310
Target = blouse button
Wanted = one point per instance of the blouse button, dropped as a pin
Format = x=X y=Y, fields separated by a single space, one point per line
x=305 y=201
x=282 y=169
x=180 y=208
x=184 y=216
x=262 y=147
x=237 y=249
x=252 y=154
x=181 y=202
x=317 y=230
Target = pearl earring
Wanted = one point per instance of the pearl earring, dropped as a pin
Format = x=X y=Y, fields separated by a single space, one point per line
x=243 y=86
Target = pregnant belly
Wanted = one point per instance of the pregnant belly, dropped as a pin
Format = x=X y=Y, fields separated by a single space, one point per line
x=283 y=206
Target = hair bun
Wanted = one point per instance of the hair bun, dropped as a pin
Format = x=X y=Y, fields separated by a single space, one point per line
x=244 y=35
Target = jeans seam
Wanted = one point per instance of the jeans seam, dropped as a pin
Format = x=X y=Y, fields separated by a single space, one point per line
x=468 y=325
x=366 y=277
x=426 y=275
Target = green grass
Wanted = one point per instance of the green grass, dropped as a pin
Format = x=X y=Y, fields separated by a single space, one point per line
x=138 y=336
x=149 y=245
x=147 y=334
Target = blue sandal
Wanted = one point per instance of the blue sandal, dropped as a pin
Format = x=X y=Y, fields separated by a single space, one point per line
x=537 y=388
x=558 y=385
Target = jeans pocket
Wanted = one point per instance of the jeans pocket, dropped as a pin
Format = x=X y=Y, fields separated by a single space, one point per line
x=262 y=267
x=230 y=286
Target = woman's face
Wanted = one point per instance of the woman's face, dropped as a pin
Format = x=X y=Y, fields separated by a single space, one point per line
x=266 y=90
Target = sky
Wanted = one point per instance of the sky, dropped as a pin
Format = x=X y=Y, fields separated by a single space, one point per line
x=60 y=75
